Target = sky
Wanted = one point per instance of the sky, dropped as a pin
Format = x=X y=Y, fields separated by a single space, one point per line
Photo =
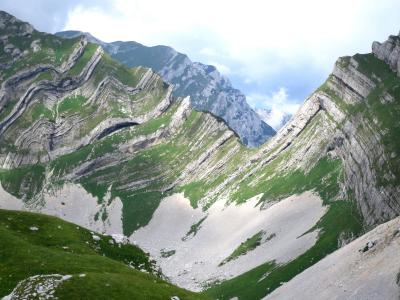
x=276 y=52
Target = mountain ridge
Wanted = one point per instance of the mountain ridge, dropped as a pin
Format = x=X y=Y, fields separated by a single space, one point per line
x=209 y=90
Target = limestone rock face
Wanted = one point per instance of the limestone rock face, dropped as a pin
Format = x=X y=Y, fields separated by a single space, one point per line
x=348 y=83
x=389 y=52
x=208 y=89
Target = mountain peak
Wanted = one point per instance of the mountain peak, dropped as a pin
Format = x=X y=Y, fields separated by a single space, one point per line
x=10 y=24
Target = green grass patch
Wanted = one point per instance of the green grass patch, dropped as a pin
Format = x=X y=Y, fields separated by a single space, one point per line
x=323 y=178
x=44 y=76
x=23 y=182
x=87 y=54
x=194 y=229
x=65 y=163
x=194 y=191
x=72 y=104
x=138 y=209
x=37 y=244
x=245 y=247
x=372 y=66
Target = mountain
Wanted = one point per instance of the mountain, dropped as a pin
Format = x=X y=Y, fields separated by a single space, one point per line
x=276 y=121
x=109 y=148
x=208 y=89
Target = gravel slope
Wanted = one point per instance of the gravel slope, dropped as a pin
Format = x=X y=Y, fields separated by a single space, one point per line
x=355 y=271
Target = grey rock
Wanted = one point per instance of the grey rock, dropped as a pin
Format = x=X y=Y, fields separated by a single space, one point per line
x=11 y=23
x=389 y=52
x=9 y=48
x=35 y=45
x=348 y=83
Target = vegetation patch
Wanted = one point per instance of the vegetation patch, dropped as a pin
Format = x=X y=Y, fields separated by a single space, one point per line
x=88 y=53
x=248 y=245
x=23 y=182
x=167 y=253
x=324 y=178
x=72 y=104
x=35 y=244
x=194 y=229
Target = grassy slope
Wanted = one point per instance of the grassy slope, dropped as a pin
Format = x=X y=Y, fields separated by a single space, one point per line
x=167 y=159
x=341 y=219
x=64 y=248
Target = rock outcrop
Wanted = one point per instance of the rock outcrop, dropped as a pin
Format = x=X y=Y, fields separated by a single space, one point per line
x=389 y=52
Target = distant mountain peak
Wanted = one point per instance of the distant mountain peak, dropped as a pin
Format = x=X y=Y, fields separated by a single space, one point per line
x=270 y=117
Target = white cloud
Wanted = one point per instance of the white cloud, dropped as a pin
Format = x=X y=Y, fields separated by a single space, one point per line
x=263 y=37
x=208 y=51
x=275 y=107
x=221 y=67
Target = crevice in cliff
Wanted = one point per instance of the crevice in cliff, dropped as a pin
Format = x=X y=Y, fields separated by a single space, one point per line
x=115 y=128
x=347 y=86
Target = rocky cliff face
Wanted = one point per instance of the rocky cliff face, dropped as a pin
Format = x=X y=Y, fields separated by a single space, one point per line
x=367 y=141
x=389 y=52
x=208 y=89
